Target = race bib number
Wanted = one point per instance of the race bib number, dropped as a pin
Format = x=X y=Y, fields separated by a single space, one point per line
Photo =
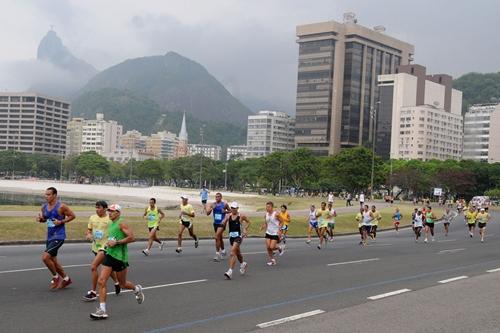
x=111 y=238
x=50 y=223
x=151 y=217
x=98 y=234
x=234 y=234
x=218 y=217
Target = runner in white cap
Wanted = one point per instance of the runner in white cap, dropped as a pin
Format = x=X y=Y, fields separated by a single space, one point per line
x=234 y=221
x=186 y=222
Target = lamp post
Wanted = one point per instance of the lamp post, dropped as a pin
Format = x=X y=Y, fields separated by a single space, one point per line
x=373 y=115
x=225 y=176
x=201 y=152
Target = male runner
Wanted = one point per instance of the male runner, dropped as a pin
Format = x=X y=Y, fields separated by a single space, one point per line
x=367 y=223
x=361 y=199
x=322 y=215
x=153 y=215
x=116 y=260
x=204 y=197
x=377 y=217
x=272 y=225
x=430 y=218
x=219 y=209
x=447 y=218
x=330 y=197
x=470 y=219
x=97 y=232
x=418 y=223
x=331 y=215
x=313 y=224
x=234 y=220
x=56 y=215
x=359 y=219
x=186 y=216
x=482 y=218
x=285 y=217
x=396 y=219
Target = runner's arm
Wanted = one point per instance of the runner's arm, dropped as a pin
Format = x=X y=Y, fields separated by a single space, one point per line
x=247 y=224
x=210 y=208
x=40 y=217
x=145 y=213
x=128 y=233
x=66 y=211
x=162 y=215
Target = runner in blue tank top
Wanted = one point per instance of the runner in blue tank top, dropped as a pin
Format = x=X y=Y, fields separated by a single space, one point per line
x=56 y=215
x=219 y=209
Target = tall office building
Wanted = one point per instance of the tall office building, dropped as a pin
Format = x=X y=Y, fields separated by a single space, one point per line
x=269 y=131
x=238 y=152
x=74 y=136
x=33 y=123
x=481 y=142
x=211 y=151
x=336 y=87
x=101 y=136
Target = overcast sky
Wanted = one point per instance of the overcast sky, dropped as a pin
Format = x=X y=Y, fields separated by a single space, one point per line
x=249 y=45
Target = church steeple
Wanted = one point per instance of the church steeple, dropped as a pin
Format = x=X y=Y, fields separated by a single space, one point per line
x=183 y=135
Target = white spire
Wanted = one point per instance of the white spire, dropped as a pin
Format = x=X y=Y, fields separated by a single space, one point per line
x=183 y=135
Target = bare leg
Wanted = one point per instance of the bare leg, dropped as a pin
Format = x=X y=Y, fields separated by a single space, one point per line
x=47 y=260
x=59 y=268
x=179 y=235
x=122 y=279
x=103 y=278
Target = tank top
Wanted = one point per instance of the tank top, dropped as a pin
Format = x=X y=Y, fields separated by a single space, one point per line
x=428 y=217
x=312 y=216
x=234 y=226
x=418 y=221
x=54 y=232
x=273 y=224
x=152 y=216
x=119 y=251
x=367 y=220
x=219 y=212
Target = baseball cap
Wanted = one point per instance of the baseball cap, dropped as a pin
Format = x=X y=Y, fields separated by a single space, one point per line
x=184 y=196
x=482 y=208
x=234 y=204
x=115 y=208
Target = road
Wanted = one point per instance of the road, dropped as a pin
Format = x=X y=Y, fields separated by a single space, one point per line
x=187 y=293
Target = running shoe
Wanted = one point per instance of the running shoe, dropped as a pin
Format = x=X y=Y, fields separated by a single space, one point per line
x=196 y=243
x=217 y=257
x=222 y=254
x=272 y=262
x=308 y=241
x=162 y=245
x=139 y=295
x=178 y=250
x=243 y=267
x=425 y=240
x=281 y=250
x=118 y=289
x=433 y=239
x=228 y=274
x=471 y=234
x=54 y=283
x=146 y=252
x=65 y=283
x=482 y=240
x=319 y=247
x=99 y=314
x=90 y=296
x=331 y=239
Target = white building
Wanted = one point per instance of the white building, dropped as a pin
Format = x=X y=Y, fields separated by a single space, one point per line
x=210 y=151
x=481 y=143
x=269 y=131
x=236 y=152
x=418 y=116
x=33 y=123
x=123 y=155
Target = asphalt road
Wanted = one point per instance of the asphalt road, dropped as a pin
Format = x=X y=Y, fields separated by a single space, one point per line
x=189 y=293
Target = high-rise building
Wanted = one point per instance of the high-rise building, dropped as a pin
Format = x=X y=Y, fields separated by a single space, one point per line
x=163 y=144
x=133 y=140
x=211 y=151
x=336 y=86
x=269 y=131
x=418 y=116
x=238 y=152
x=101 y=136
x=33 y=123
x=74 y=136
x=481 y=142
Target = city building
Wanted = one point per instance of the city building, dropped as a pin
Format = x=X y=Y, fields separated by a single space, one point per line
x=269 y=131
x=210 y=151
x=418 y=116
x=336 y=86
x=481 y=142
x=133 y=140
x=33 y=123
x=236 y=152
x=163 y=144
x=123 y=155
x=182 y=145
x=99 y=135
x=74 y=136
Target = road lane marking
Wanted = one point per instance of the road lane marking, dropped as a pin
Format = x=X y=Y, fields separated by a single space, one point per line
x=454 y=279
x=392 y=293
x=447 y=240
x=38 y=269
x=291 y=318
x=493 y=270
x=450 y=251
x=353 y=262
x=163 y=286
x=381 y=244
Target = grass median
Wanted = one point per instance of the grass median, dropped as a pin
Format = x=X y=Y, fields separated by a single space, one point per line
x=24 y=228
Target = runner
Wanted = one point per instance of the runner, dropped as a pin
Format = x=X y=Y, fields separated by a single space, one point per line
x=56 y=214
x=186 y=216
x=348 y=199
x=413 y=219
x=234 y=220
x=367 y=223
x=153 y=215
x=272 y=225
x=332 y=214
x=204 y=197
x=219 y=209
x=470 y=219
x=377 y=217
x=430 y=218
x=447 y=218
x=359 y=219
x=483 y=217
x=330 y=197
x=396 y=219
x=418 y=224
x=361 y=199
x=313 y=223
x=97 y=232
x=116 y=260
x=285 y=217
x=322 y=216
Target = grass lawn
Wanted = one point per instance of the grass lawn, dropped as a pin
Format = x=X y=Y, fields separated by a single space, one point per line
x=25 y=228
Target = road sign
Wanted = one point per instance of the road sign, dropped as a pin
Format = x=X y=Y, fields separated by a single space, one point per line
x=438 y=191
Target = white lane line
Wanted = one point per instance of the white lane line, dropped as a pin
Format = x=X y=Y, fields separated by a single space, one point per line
x=447 y=240
x=379 y=244
x=450 y=251
x=392 y=293
x=259 y=252
x=39 y=269
x=163 y=286
x=291 y=318
x=493 y=270
x=454 y=279
x=353 y=262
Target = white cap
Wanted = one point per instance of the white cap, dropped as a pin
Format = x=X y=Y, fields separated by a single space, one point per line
x=234 y=204
x=184 y=196
x=482 y=208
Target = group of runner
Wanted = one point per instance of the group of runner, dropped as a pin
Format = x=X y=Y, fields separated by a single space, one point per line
x=110 y=236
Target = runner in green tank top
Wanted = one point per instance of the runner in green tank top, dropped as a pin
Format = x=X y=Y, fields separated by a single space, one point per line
x=430 y=218
x=153 y=215
x=116 y=260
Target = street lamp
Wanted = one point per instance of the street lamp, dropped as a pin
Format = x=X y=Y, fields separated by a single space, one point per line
x=225 y=176
x=201 y=152
x=373 y=116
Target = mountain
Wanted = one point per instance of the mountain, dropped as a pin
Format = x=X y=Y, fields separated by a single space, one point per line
x=135 y=111
x=175 y=83
x=478 y=88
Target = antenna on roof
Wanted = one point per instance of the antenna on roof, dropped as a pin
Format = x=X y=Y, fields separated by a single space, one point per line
x=350 y=17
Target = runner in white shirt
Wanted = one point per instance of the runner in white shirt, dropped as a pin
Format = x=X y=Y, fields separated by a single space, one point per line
x=367 y=222
x=418 y=224
x=272 y=225
x=330 y=197
x=313 y=224
x=361 y=199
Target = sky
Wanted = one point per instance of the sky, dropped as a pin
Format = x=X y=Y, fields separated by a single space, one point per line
x=248 y=45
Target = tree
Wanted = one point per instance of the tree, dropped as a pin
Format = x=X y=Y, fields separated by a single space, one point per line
x=302 y=167
x=150 y=170
x=90 y=164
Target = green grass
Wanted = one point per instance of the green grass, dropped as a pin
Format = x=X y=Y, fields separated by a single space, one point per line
x=25 y=228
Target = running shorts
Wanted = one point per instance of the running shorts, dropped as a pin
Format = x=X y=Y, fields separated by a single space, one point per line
x=430 y=225
x=203 y=201
x=217 y=226
x=151 y=228
x=331 y=225
x=115 y=264
x=314 y=224
x=481 y=225
x=53 y=246
x=187 y=224
x=237 y=240
x=273 y=237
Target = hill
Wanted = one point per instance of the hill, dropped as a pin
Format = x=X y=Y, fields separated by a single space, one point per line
x=478 y=88
x=174 y=83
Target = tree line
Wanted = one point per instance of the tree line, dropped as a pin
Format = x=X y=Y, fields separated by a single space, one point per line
x=297 y=171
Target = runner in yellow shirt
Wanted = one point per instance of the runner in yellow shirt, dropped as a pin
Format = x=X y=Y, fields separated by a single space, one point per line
x=97 y=232
x=285 y=217
x=470 y=219
x=482 y=218
x=322 y=215
x=153 y=215
x=376 y=219
x=359 y=219
x=186 y=222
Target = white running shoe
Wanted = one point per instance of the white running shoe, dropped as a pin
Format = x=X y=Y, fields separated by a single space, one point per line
x=272 y=262
x=162 y=246
x=178 y=250
x=222 y=254
x=229 y=274
x=425 y=240
x=146 y=252
x=433 y=239
x=99 y=314
x=308 y=241
x=243 y=267
x=139 y=295
x=217 y=257
x=281 y=249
